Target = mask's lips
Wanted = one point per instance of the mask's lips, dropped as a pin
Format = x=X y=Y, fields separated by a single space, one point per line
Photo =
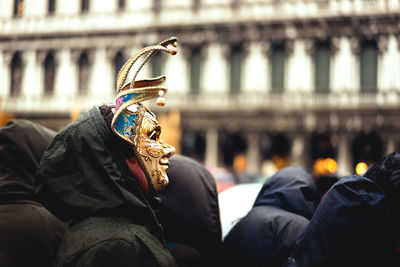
x=164 y=164
x=164 y=161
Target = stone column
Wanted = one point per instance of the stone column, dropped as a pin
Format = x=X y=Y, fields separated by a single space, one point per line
x=40 y=58
x=31 y=75
x=101 y=76
x=387 y=62
x=5 y=61
x=256 y=69
x=253 y=152
x=211 y=158
x=354 y=63
x=297 y=154
x=390 y=144
x=299 y=68
x=344 y=69
x=334 y=68
x=344 y=156
x=176 y=70
x=66 y=83
x=394 y=46
x=215 y=70
x=6 y=10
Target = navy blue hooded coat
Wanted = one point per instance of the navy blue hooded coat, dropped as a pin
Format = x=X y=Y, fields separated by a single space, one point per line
x=349 y=228
x=281 y=212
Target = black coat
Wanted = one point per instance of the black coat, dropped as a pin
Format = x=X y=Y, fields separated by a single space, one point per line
x=349 y=228
x=84 y=178
x=189 y=210
x=29 y=234
x=281 y=212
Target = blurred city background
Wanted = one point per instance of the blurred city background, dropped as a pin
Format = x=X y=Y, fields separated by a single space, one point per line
x=256 y=86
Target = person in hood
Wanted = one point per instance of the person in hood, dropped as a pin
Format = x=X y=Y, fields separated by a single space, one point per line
x=101 y=172
x=280 y=214
x=386 y=173
x=30 y=234
x=351 y=227
x=189 y=212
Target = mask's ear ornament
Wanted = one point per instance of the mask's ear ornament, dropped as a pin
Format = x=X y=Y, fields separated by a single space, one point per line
x=129 y=111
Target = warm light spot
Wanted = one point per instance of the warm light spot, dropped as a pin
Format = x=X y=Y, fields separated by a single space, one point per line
x=318 y=167
x=325 y=166
x=280 y=161
x=331 y=165
x=361 y=167
x=74 y=113
x=239 y=163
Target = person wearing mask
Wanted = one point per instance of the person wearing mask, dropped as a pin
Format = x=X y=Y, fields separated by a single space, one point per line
x=29 y=234
x=281 y=212
x=101 y=173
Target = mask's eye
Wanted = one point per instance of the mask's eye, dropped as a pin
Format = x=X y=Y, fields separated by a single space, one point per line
x=155 y=134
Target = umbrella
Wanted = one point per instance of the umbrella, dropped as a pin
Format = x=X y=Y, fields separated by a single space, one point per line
x=235 y=202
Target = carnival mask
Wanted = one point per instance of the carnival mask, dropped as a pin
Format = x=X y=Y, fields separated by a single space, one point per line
x=133 y=122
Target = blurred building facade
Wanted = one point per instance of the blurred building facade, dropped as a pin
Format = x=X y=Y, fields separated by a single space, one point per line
x=290 y=81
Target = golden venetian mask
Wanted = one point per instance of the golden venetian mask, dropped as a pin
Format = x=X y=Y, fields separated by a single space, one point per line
x=136 y=124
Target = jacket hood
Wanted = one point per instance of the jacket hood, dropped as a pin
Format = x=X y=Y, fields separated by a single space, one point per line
x=191 y=188
x=291 y=189
x=349 y=228
x=83 y=173
x=22 y=144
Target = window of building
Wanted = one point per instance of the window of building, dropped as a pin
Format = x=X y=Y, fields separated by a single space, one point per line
x=83 y=73
x=235 y=64
x=18 y=8
x=85 y=4
x=277 y=61
x=121 y=5
x=16 y=73
x=156 y=65
x=156 y=6
x=49 y=66
x=51 y=7
x=118 y=63
x=369 y=67
x=322 y=58
x=195 y=70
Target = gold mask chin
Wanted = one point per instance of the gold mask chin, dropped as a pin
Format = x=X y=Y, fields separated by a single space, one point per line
x=152 y=152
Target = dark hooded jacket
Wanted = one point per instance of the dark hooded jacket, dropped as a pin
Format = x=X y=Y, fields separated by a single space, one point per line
x=386 y=173
x=349 y=228
x=84 y=178
x=281 y=212
x=189 y=210
x=29 y=234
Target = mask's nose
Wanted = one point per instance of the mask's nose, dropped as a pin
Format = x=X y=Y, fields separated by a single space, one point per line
x=168 y=150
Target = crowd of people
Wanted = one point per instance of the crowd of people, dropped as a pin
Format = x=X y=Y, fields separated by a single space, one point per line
x=107 y=191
